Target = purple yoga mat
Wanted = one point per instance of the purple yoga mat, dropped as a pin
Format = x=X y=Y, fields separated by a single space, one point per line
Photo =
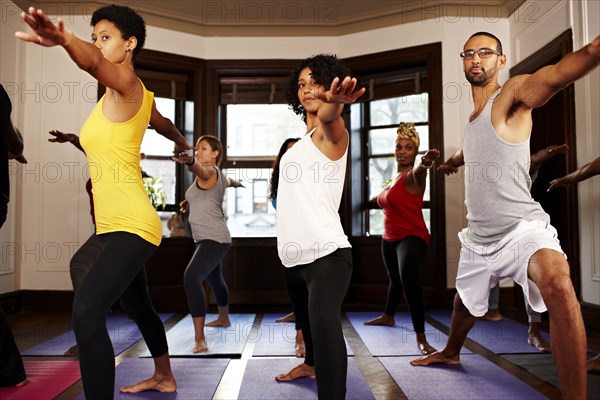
x=278 y=338
x=259 y=382
x=221 y=341
x=397 y=340
x=501 y=337
x=47 y=379
x=197 y=379
x=474 y=378
x=122 y=330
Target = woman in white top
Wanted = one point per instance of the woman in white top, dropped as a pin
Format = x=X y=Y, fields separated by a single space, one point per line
x=310 y=239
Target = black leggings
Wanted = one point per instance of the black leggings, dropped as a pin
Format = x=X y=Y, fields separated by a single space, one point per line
x=206 y=264
x=317 y=291
x=84 y=259
x=118 y=274
x=402 y=260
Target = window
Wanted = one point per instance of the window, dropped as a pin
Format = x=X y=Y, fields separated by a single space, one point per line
x=255 y=133
x=380 y=128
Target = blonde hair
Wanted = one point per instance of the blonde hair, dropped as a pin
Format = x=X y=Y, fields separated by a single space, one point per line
x=407 y=130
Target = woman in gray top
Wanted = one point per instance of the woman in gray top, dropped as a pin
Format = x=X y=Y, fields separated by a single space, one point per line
x=210 y=233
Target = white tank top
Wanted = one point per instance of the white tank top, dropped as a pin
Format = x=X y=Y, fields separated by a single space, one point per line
x=308 y=200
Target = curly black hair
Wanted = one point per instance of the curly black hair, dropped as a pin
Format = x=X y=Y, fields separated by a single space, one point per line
x=126 y=20
x=274 y=184
x=324 y=69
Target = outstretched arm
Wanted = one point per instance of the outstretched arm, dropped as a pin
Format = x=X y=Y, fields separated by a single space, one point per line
x=419 y=171
x=453 y=163
x=61 y=137
x=536 y=89
x=329 y=114
x=86 y=55
x=583 y=173
x=543 y=155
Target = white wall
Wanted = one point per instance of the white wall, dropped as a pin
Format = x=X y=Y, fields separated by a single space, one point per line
x=56 y=212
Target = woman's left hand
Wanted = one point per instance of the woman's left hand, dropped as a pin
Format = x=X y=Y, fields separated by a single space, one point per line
x=45 y=32
x=183 y=158
x=341 y=92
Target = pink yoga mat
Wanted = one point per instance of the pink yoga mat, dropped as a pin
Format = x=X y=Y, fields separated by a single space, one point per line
x=47 y=379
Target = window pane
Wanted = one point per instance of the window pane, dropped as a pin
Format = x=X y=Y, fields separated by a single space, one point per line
x=423 y=131
x=382 y=141
x=166 y=107
x=258 y=130
x=248 y=210
x=380 y=171
x=166 y=169
x=427 y=218
x=375 y=222
x=155 y=144
x=400 y=109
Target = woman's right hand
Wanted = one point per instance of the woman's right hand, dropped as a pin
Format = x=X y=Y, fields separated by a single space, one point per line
x=60 y=137
x=45 y=32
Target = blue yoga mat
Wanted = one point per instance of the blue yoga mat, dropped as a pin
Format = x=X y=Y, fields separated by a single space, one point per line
x=501 y=337
x=397 y=340
x=278 y=338
x=474 y=378
x=197 y=379
x=221 y=342
x=122 y=330
x=259 y=381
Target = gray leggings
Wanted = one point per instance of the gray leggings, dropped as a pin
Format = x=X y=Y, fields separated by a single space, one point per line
x=206 y=264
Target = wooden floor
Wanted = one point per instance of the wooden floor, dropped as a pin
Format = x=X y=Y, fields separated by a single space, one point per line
x=33 y=328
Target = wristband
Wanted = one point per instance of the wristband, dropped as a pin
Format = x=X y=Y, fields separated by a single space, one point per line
x=192 y=163
x=425 y=166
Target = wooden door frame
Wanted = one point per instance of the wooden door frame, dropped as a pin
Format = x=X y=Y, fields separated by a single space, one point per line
x=559 y=47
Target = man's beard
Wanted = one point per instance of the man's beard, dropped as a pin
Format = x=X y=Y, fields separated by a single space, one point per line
x=481 y=79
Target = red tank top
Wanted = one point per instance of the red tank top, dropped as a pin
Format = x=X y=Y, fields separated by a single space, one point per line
x=402 y=213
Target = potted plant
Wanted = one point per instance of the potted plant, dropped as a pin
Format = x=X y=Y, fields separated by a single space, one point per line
x=155 y=191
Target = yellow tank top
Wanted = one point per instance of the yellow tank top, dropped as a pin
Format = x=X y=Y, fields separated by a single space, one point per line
x=113 y=151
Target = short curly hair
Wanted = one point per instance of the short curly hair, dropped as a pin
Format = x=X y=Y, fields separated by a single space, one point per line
x=126 y=20
x=324 y=69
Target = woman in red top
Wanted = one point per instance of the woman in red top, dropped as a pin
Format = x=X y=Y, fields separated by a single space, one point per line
x=405 y=236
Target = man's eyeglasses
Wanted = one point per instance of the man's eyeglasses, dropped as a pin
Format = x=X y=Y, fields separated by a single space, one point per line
x=482 y=53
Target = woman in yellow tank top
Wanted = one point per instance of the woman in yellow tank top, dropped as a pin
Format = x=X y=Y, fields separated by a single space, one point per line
x=126 y=222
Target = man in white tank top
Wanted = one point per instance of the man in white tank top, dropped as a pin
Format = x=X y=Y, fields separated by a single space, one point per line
x=501 y=213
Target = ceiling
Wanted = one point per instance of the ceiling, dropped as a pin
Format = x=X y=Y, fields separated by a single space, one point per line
x=286 y=17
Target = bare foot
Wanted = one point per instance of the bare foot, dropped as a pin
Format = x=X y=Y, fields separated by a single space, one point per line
x=299 y=371
x=159 y=384
x=200 y=346
x=492 y=315
x=593 y=365
x=22 y=383
x=435 y=358
x=385 y=320
x=537 y=341
x=223 y=322
x=72 y=352
x=287 y=318
x=425 y=348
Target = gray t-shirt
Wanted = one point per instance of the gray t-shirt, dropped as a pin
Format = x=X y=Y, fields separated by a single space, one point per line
x=497 y=182
x=206 y=211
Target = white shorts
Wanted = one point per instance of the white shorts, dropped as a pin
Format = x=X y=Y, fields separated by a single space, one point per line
x=481 y=267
